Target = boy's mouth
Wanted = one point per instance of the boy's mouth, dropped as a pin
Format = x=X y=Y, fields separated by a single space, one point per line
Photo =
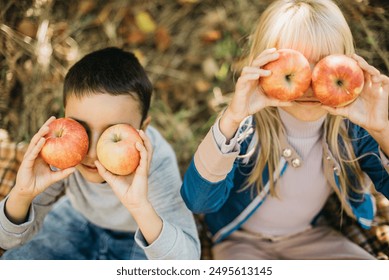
x=90 y=168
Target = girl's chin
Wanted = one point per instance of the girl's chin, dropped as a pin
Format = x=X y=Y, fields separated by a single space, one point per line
x=306 y=113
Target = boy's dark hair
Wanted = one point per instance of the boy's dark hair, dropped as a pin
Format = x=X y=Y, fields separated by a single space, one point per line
x=112 y=71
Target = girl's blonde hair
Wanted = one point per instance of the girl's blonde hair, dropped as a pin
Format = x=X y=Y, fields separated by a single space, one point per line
x=316 y=28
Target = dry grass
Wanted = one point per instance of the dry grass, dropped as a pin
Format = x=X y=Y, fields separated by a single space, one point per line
x=188 y=47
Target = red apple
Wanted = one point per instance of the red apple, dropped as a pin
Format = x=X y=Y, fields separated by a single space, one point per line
x=66 y=143
x=290 y=77
x=116 y=149
x=337 y=80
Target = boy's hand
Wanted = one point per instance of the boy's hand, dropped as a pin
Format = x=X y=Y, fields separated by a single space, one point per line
x=370 y=109
x=34 y=174
x=132 y=189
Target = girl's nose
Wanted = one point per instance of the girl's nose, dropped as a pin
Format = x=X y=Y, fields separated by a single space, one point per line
x=309 y=92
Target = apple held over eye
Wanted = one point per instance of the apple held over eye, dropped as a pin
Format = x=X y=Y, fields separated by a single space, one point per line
x=66 y=143
x=290 y=76
x=337 y=80
x=116 y=149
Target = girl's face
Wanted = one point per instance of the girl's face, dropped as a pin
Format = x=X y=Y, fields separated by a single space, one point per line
x=306 y=108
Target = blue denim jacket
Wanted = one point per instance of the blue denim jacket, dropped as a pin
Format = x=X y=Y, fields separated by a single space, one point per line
x=227 y=207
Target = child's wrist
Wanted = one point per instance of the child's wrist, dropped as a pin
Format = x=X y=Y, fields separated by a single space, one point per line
x=231 y=118
x=381 y=137
x=139 y=208
x=20 y=197
x=229 y=124
x=383 y=133
x=16 y=207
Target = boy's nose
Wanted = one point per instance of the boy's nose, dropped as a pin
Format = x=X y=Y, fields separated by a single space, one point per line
x=92 y=153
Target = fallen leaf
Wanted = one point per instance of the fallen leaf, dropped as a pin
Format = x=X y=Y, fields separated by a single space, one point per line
x=223 y=71
x=145 y=22
x=136 y=37
x=86 y=6
x=211 y=36
x=163 y=84
x=202 y=85
x=28 y=28
x=162 y=39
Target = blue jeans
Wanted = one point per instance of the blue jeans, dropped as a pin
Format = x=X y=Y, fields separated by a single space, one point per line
x=67 y=235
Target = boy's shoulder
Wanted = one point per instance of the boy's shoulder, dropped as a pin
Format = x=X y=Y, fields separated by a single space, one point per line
x=155 y=136
x=164 y=161
x=161 y=148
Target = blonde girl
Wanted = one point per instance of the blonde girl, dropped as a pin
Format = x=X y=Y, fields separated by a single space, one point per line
x=266 y=168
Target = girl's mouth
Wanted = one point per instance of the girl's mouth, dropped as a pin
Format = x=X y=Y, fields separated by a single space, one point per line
x=308 y=102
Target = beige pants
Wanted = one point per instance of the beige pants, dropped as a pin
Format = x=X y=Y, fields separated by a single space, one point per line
x=317 y=243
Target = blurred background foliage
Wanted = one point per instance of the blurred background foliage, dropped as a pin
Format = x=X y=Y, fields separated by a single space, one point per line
x=188 y=47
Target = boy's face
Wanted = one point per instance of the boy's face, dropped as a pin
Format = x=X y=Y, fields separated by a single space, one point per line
x=96 y=113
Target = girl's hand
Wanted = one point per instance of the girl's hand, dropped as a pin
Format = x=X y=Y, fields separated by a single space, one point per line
x=370 y=109
x=249 y=97
x=34 y=174
x=132 y=189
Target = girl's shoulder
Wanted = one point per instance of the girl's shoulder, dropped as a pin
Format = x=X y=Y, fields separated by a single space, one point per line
x=361 y=140
x=354 y=130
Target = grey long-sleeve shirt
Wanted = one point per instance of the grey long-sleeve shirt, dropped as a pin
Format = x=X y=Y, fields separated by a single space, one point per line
x=97 y=202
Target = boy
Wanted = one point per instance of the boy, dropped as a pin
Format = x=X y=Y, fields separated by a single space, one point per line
x=102 y=216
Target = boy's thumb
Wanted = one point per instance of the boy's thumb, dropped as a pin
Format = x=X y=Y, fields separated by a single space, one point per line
x=60 y=175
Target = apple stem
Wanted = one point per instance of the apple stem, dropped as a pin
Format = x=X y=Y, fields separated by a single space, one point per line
x=116 y=138
x=339 y=83
x=289 y=77
x=59 y=133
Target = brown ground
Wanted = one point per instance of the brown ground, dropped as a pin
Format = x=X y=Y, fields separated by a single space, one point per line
x=188 y=48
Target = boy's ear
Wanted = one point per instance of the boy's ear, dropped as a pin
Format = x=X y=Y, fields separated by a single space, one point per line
x=145 y=123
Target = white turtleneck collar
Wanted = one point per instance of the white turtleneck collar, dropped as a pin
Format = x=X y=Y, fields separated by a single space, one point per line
x=302 y=129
